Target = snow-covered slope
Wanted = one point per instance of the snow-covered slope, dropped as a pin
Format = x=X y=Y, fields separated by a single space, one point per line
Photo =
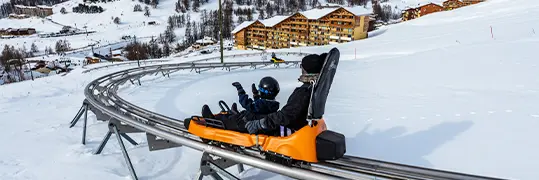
x=437 y=91
x=132 y=23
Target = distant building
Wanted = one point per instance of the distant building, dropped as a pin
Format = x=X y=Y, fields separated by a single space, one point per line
x=409 y=14
x=315 y=27
x=18 y=16
x=17 y=32
x=429 y=8
x=422 y=10
x=452 y=4
x=470 y=2
x=41 y=11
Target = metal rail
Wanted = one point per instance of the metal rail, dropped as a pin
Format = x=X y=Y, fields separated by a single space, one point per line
x=102 y=95
x=154 y=61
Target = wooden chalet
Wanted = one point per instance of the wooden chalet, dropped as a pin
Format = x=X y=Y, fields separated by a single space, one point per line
x=429 y=9
x=470 y=2
x=310 y=28
x=409 y=14
x=452 y=4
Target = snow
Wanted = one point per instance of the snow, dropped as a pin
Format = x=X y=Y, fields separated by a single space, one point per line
x=359 y=11
x=440 y=91
x=241 y=26
x=270 y=22
x=205 y=40
x=317 y=13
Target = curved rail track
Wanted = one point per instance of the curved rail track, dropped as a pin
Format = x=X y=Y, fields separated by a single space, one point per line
x=102 y=98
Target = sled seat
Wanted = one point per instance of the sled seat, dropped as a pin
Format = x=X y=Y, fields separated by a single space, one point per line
x=276 y=60
x=301 y=145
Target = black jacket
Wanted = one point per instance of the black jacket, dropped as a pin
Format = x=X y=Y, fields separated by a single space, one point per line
x=293 y=115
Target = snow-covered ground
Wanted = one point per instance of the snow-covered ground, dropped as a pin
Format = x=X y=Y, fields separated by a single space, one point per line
x=437 y=91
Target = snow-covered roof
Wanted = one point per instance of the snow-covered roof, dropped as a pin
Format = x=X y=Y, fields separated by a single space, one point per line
x=317 y=13
x=426 y=3
x=359 y=10
x=241 y=26
x=119 y=51
x=273 y=21
x=44 y=7
x=205 y=40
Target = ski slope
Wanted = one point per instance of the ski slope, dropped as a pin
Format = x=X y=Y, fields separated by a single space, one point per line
x=438 y=91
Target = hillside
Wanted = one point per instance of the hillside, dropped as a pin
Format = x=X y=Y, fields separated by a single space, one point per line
x=440 y=91
x=133 y=23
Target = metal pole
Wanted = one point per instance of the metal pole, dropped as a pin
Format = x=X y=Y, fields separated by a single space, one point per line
x=124 y=152
x=221 y=30
x=84 y=126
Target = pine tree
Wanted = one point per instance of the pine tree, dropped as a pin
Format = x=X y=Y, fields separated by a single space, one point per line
x=196 y=5
x=188 y=31
x=261 y=14
x=34 y=48
x=137 y=8
x=166 y=49
x=147 y=11
x=186 y=4
x=302 y=5
x=63 y=10
x=249 y=15
x=269 y=10
x=169 y=35
x=116 y=20
x=196 y=34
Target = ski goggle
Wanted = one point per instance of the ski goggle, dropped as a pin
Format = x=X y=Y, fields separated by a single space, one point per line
x=264 y=91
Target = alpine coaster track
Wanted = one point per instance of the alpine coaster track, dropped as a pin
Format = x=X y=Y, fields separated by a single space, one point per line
x=164 y=132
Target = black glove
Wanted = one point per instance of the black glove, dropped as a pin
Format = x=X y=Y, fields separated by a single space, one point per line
x=255 y=125
x=256 y=95
x=239 y=88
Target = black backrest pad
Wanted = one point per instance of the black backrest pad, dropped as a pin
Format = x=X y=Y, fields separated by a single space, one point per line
x=323 y=84
x=330 y=145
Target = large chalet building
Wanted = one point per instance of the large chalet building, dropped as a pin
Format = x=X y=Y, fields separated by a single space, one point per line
x=424 y=9
x=41 y=11
x=319 y=26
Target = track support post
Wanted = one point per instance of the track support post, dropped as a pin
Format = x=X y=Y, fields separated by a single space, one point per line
x=82 y=111
x=215 y=167
x=120 y=131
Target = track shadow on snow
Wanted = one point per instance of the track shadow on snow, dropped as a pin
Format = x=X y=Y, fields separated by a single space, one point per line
x=396 y=146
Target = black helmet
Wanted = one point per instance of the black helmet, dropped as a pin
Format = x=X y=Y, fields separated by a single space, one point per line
x=268 y=87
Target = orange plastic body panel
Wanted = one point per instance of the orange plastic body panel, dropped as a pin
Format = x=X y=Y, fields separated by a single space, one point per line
x=301 y=145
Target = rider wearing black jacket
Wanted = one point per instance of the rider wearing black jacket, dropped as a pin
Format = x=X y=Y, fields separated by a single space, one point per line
x=294 y=114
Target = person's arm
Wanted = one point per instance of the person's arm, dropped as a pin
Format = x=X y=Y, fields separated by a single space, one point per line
x=246 y=102
x=288 y=114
